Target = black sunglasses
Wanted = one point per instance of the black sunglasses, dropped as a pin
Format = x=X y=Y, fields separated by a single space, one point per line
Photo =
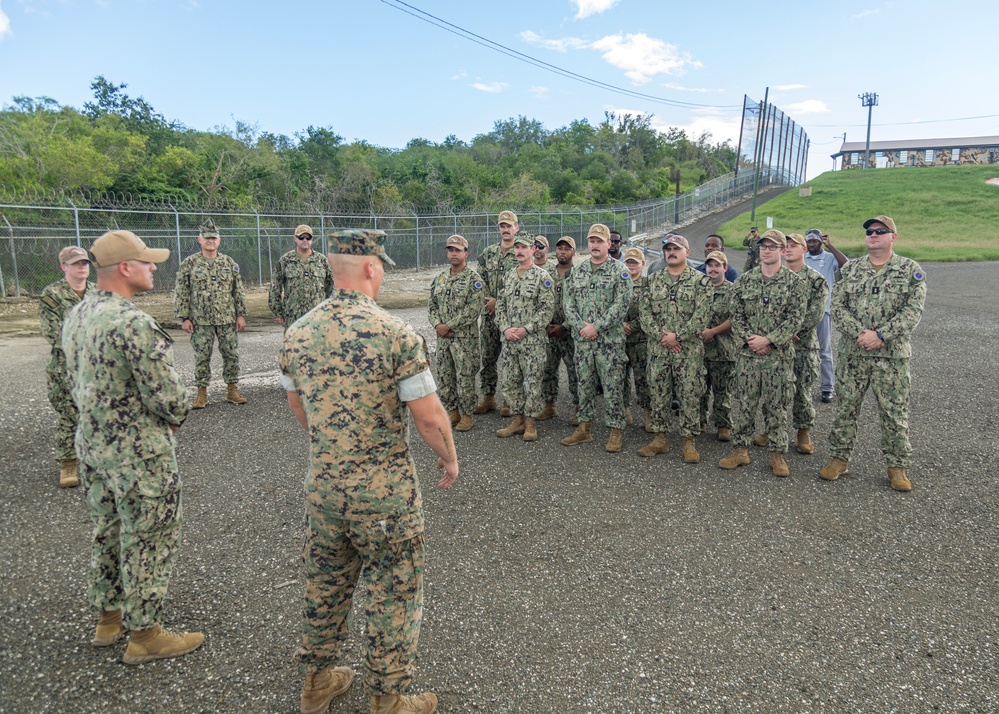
x=540 y=246
x=304 y=236
x=879 y=231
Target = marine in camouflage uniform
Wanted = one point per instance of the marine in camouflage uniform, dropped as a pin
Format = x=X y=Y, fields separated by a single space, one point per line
x=636 y=342
x=456 y=300
x=674 y=312
x=54 y=303
x=877 y=303
x=719 y=352
x=560 y=342
x=767 y=312
x=301 y=280
x=131 y=401
x=353 y=372
x=526 y=304
x=210 y=302
x=596 y=298
x=494 y=263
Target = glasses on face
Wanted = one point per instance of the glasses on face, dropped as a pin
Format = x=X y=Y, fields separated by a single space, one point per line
x=539 y=246
x=615 y=242
x=304 y=236
x=769 y=246
x=878 y=231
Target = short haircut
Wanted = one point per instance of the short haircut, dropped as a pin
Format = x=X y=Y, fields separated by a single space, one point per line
x=715 y=235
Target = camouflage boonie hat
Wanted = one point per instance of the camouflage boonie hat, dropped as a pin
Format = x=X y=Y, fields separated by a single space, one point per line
x=881 y=219
x=718 y=257
x=456 y=241
x=796 y=238
x=507 y=217
x=775 y=236
x=523 y=240
x=360 y=242
x=208 y=229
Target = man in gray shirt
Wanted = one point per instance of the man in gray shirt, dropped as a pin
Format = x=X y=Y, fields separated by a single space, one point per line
x=827 y=262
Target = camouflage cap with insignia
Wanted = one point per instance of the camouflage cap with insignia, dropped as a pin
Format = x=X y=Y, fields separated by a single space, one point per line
x=208 y=229
x=775 y=236
x=881 y=219
x=363 y=241
x=523 y=240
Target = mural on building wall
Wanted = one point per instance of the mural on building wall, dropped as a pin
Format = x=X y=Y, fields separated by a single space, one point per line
x=917 y=157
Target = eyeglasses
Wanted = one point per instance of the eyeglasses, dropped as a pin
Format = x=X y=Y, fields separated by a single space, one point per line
x=540 y=246
x=878 y=231
x=769 y=246
x=304 y=236
x=615 y=242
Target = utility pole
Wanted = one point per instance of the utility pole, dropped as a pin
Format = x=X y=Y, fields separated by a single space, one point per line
x=869 y=100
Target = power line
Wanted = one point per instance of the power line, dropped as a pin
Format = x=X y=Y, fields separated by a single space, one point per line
x=913 y=123
x=541 y=64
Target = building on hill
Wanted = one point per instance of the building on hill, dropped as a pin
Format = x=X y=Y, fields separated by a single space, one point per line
x=920 y=152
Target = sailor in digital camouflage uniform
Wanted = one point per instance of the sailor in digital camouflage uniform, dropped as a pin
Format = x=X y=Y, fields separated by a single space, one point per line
x=560 y=343
x=457 y=297
x=596 y=296
x=56 y=300
x=768 y=307
x=210 y=303
x=806 y=342
x=494 y=263
x=636 y=342
x=131 y=401
x=523 y=311
x=719 y=348
x=354 y=374
x=877 y=302
x=301 y=280
x=674 y=312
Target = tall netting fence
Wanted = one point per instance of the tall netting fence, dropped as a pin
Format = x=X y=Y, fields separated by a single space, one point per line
x=771 y=141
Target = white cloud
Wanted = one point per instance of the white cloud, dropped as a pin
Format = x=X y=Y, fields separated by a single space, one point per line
x=809 y=106
x=789 y=87
x=540 y=92
x=492 y=87
x=721 y=126
x=459 y=75
x=864 y=13
x=642 y=57
x=585 y=8
x=681 y=88
x=562 y=45
x=4 y=25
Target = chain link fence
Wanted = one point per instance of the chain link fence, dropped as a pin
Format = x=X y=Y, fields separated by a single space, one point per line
x=32 y=234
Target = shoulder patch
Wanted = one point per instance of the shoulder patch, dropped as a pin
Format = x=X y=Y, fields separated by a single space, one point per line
x=477 y=285
x=917 y=275
x=235 y=267
x=547 y=282
x=626 y=275
x=440 y=278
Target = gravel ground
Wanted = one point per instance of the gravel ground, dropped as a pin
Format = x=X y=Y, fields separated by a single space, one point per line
x=558 y=580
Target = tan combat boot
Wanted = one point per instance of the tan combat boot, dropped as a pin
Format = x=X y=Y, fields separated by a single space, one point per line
x=322 y=687
x=761 y=440
x=898 y=480
x=739 y=457
x=109 y=629
x=648 y=422
x=724 y=434
x=575 y=415
x=516 y=426
x=465 y=423
x=628 y=418
x=201 y=401
x=530 y=429
x=548 y=412
x=233 y=395
x=157 y=643
x=658 y=445
x=505 y=411
x=486 y=404
x=68 y=477
x=425 y=703
x=614 y=441
x=690 y=455
x=834 y=469
x=778 y=465
x=580 y=436
x=454 y=417
x=804 y=442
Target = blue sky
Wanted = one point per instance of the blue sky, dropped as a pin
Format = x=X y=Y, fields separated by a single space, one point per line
x=371 y=70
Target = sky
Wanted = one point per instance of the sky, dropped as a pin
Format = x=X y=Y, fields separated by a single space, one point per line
x=386 y=72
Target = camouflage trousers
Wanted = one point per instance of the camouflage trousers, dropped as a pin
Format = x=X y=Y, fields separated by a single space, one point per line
x=136 y=511
x=457 y=361
x=66 y=414
x=637 y=369
x=889 y=380
x=523 y=372
x=490 y=345
x=560 y=350
x=390 y=554
x=203 y=340
x=600 y=363
x=766 y=383
x=806 y=370
x=717 y=383
x=672 y=377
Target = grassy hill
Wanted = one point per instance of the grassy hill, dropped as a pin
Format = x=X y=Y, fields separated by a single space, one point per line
x=945 y=213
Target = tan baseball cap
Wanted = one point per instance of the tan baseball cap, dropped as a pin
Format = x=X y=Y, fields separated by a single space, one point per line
x=302 y=230
x=507 y=217
x=72 y=254
x=635 y=254
x=567 y=240
x=775 y=236
x=676 y=239
x=457 y=241
x=542 y=240
x=599 y=230
x=718 y=257
x=120 y=246
x=797 y=238
x=881 y=219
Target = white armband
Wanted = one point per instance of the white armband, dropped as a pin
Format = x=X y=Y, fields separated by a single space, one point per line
x=417 y=386
x=288 y=383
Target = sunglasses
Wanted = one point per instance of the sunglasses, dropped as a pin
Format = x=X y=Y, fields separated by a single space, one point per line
x=304 y=236
x=540 y=246
x=878 y=231
x=615 y=242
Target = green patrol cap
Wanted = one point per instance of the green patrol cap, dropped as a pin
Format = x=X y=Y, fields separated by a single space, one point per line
x=208 y=229
x=360 y=242
x=523 y=240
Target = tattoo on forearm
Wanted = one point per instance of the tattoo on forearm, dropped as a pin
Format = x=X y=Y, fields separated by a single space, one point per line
x=449 y=454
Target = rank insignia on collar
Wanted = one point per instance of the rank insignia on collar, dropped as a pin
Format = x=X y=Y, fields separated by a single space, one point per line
x=875 y=290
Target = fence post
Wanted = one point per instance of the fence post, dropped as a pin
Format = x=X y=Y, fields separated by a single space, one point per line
x=260 y=256
x=76 y=220
x=176 y=227
x=3 y=285
x=322 y=231
x=417 y=216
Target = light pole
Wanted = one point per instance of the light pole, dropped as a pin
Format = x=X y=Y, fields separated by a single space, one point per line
x=869 y=100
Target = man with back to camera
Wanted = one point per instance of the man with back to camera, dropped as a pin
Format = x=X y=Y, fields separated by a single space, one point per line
x=301 y=280
x=560 y=343
x=54 y=304
x=877 y=304
x=827 y=263
x=364 y=507
x=716 y=244
x=131 y=402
